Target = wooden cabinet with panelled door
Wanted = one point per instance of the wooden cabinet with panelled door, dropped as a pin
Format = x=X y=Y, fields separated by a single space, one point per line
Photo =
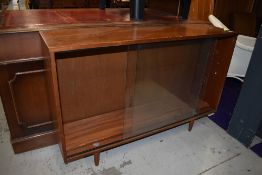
x=109 y=82
x=23 y=91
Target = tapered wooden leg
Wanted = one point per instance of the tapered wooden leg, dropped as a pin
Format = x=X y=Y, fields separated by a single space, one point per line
x=97 y=158
x=190 y=125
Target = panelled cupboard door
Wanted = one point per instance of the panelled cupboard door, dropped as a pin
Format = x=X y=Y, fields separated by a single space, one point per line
x=25 y=100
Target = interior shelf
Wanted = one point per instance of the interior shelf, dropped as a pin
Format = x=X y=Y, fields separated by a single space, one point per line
x=149 y=112
x=94 y=131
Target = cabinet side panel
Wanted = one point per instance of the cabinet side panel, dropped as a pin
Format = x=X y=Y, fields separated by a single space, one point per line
x=53 y=97
x=218 y=70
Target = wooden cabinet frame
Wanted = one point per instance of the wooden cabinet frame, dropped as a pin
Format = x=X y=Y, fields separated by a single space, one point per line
x=53 y=50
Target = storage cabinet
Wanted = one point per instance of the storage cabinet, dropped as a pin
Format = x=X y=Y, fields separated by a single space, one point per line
x=24 y=93
x=122 y=92
x=137 y=81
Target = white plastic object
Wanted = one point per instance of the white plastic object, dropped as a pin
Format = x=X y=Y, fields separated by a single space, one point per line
x=241 y=56
x=217 y=23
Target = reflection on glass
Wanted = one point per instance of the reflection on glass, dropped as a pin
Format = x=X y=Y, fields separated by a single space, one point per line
x=166 y=86
x=110 y=94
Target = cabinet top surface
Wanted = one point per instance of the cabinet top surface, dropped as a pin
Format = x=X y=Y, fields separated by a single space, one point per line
x=35 y=20
x=118 y=35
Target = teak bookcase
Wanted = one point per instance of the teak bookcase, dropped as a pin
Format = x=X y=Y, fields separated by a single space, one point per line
x=112 y=85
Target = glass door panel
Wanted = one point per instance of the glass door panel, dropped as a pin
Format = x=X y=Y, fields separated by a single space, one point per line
x=164 y=82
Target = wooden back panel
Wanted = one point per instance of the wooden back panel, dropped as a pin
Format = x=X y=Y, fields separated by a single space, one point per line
x=224 y=9
x=165 y=5
x=200 y=9
x=92 y=84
